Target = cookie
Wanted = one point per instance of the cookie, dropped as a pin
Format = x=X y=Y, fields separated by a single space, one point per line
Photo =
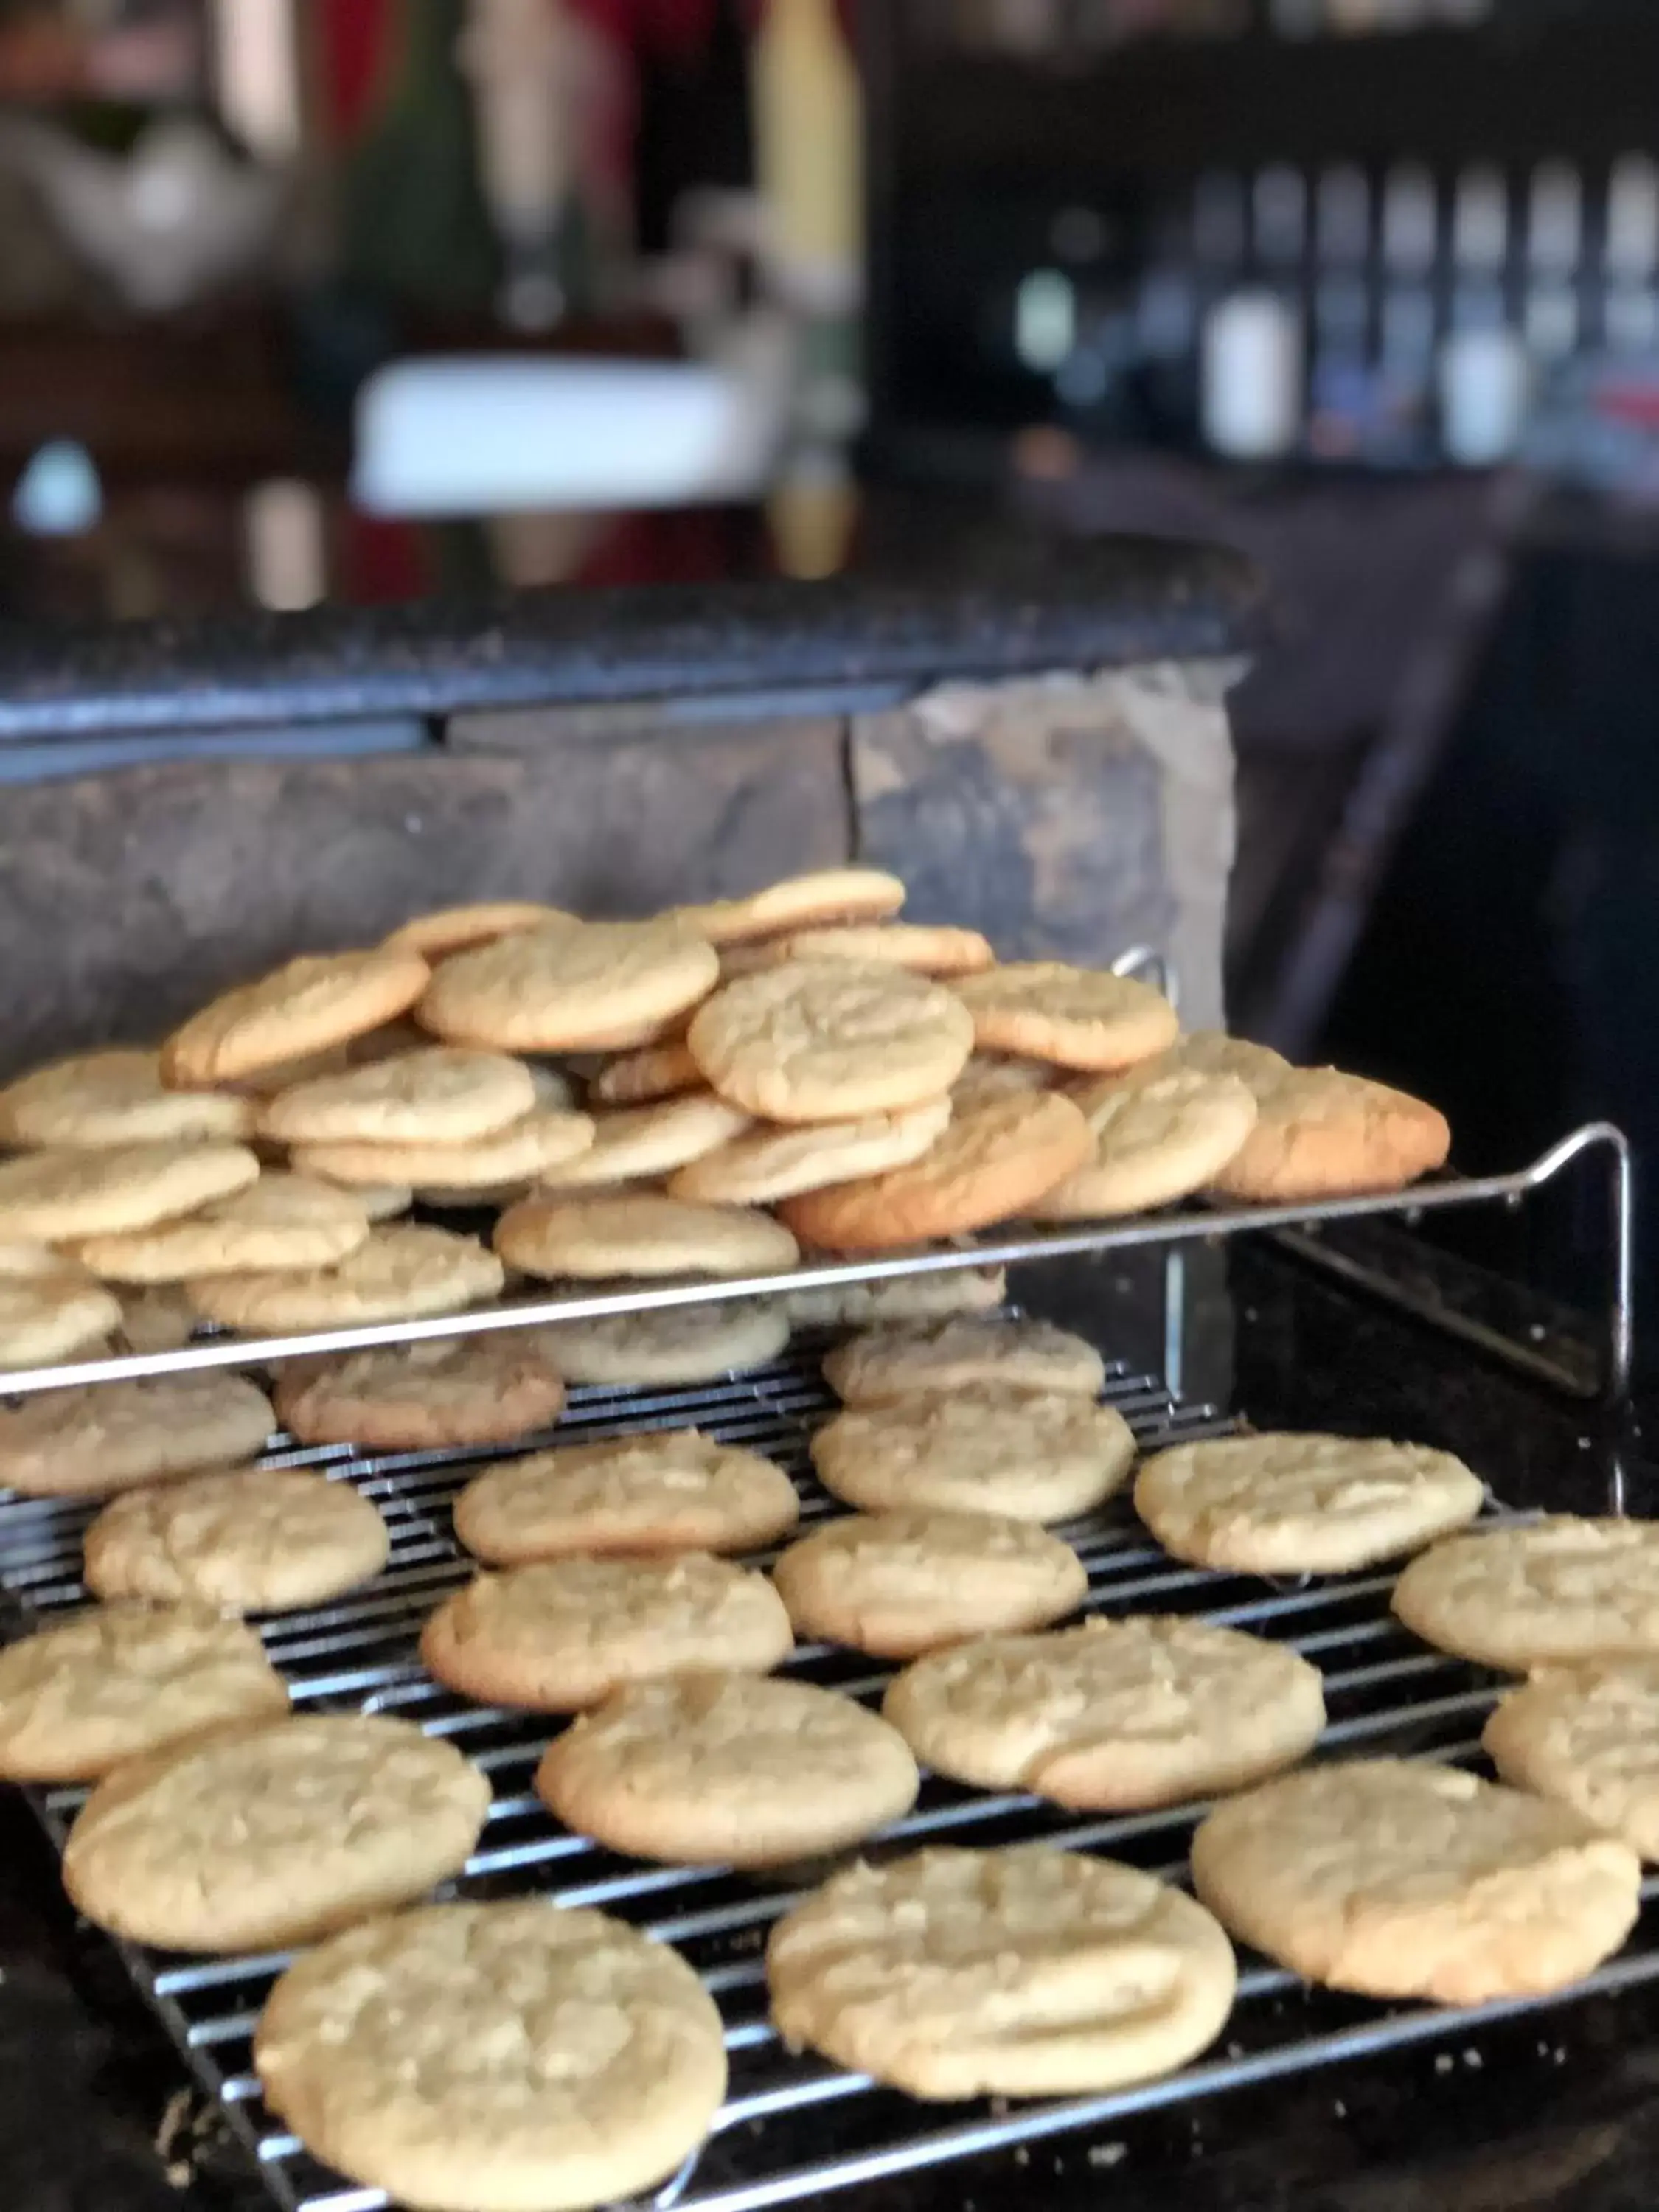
x=1586 y=1736
x=1211 y=1052
x=569 y=985
x=1113 y=1716
x=1037 y=1456
x=649 y=1140
x=102 y=1098
x=273 y=1834
x=438 y=1096
x=494 y=2057
x=564 y=1634
x=768 y=1163
x=1398 y=1879
x=1553 y=1591
x=54 y=1198
x=1319 y=1133
x=828 y=894
x=317 y=1001
x=897 y=1585
x=1084 y=1018
x=680 y=1345
x=418 y=1397
x=673 y=1490
x=484 y=1199
x=386 y=1041
x=734 y=1770
x=281 y=1221
x=381 y=1202
x=449 y=929
x=51 y=1307
x=637 y=1079
x=925 y=948
x=249 y=1540
x=902 y=1297
x=110 y=1436
x=159 y=1319
x=538 y=1140
x=1001 y=1075
x=1155 y=1141
x=830 y=1040
x=1300 y=1505
x=402 y=1273
x=119 y=1680
x=1025 y=1972
x=993 y=1162
x=642 y=1234
x=964 y=1353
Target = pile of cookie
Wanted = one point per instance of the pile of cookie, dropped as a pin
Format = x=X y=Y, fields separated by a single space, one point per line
x=476 y=2055
x=798 y=1068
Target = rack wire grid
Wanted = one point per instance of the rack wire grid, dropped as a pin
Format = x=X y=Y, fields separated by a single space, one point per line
x=793 y=2126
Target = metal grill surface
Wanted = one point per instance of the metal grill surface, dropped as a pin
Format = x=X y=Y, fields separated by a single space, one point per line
x=792 y=2126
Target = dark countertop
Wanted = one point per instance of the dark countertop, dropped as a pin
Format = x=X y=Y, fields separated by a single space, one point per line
x=1559 y=2110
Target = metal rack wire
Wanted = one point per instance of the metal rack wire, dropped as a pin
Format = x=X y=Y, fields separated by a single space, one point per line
x=794 y=2127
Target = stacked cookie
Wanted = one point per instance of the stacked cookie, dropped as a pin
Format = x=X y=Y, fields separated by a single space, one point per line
x=793 y=1067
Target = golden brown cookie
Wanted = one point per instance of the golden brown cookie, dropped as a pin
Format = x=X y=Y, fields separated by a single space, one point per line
x=1547 y=1593
x=1587 y=1737
x=562 y=1635
x=656 y=1070
x=402 y=1273
x=768 y=1163
x=159 y=1319
x=281 y=1221
x=252 y=1540
x=1319 y=1133
x=417 y=1397
x=438 y=1096
x=673 y=1490
x=993 y=1162
x=568 y=985
x=830 y=1040
x=639 y=1233
x=1155 y=1140
x=964 y=1352
x=537 y=1141
x=110 y=1435
x=829 y=894
x=677 y=1345
x=999 y=1074
x=642 y=1141
x=722 y=1769
x=925 y=948
x=1038 y=1456
x=449 y=929
x=1083 y=1018
x=314 y=1002
x=51 y=1307
x=117 y=1097
x=905 y=1297
x=52 y=1198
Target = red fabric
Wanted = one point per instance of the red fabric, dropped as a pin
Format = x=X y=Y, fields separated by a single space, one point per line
x=354 y=36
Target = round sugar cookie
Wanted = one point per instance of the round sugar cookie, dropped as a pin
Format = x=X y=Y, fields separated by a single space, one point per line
x=902 y=1297
x=564 y=1634
x=566 y=986
x=642 y=1234
x=402 y=1272
x=381 y=1202
x=275 y=1833
x=898 y=1584
x=1285 y=1503
x=1027 y=1972
x=1156 y=1139
x=51 y=1307
x=104 y=1436
x=673 y=1490
x=158 y=1319
x=735 y=1769
x=925 y=948
x=1084 y=1018
x=1212 y=1051
x=542 y=1139
x=55 y=1197
x=1398 y=1879
x=494 y=2057
x=115 y=1097
x=449 y=929
x=641 y=1141
x=831 y=1041
x=1002 y=1075
x=116 y=1681
x=1037 y=1455
x=1588 y=1737
x=439 y=1094
x=677 y=1345
x=250 y=1539
x=993 y=1162
x=965 y=1351
x=1319 y=1133
x=281 y=1221
x=768 y=1163
x=1112 y=1716
x=1549 y=1592
x=828 y=895
x=417 y=1397
x=638 y=1078
x=317 y=1001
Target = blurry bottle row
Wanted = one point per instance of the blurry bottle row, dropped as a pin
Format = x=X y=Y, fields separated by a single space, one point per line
x=1036 y=27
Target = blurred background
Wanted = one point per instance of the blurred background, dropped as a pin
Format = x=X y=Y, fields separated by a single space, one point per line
x=367 y=300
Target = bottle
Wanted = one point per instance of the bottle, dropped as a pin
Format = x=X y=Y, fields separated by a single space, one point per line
x=808 y=111
x=1631 y=255
x=1555 y=229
